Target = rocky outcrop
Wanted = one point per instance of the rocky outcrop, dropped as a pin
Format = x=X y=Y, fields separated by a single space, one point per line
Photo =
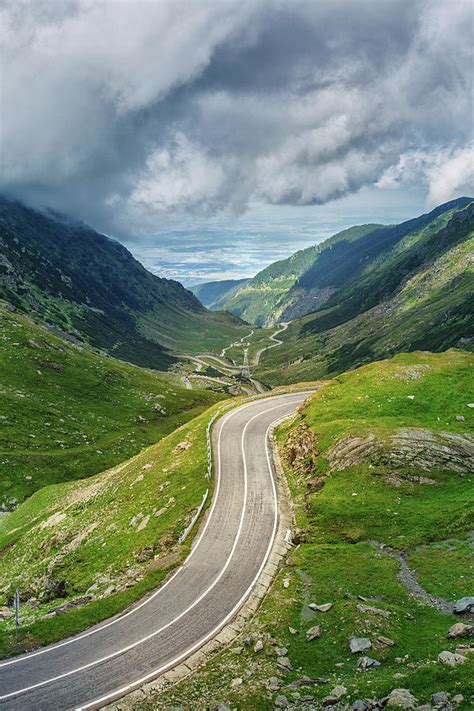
x=407 y=447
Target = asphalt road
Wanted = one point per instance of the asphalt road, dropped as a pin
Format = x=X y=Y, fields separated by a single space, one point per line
x=196 y=602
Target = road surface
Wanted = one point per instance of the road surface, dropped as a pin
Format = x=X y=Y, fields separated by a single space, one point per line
x=224 y=565
x=258 y=354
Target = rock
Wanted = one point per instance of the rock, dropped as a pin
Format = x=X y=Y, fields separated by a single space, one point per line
x=223 y=707
x=450 y=659
x=367 y=663
x=292 y=630
x=136 y=519
x=402 y=698
x=248 y=640
x=320 y=608
x=143 y=523
x=465 y=604
x=359 y=644
x=313 y=633
x=424 y=707
x=409 y=617
x=410 y=397
x=146 y=467
x=338 y=691
x=236 y=682
x=237 y=650
x=460 y=418
x=385 y=640
x=460 y=630
x=374 y=610
x=273 y=684
x=281 y=651
x=54 y=588
x=360 y=705
x=440 y=698
x=286 y=583
x=281 y=702
x=258 y=646
x=284 y=663
x=458 y=699
x=182 y=446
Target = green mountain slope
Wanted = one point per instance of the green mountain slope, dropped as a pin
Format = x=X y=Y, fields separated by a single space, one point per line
x=273 y=295
x=214 y=294
x=68 y=412
x=418 y=294
x=91 y=287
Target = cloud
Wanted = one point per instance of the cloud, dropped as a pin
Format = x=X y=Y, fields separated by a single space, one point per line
x=128 y=114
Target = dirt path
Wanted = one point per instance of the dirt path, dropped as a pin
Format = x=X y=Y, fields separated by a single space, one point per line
x=408 y=579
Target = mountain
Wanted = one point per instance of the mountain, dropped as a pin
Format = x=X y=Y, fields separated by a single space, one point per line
x=214 y=294
x=310 y=278
x=276 y=293
x=90 y=287
x=69 y=412
x=415 y=293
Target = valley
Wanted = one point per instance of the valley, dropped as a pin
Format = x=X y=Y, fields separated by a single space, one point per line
x=111 y=471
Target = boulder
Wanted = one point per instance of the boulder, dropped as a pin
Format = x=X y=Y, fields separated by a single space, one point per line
x=402 y=698
x=313 y=633
x=320 y=608
x=465 y=604
x=450 y=659
x=359 y=644
x=284 y=663
x=367 y=663
x=439 y=699
x=281 y=702
x=385 y=640
x=460 y=630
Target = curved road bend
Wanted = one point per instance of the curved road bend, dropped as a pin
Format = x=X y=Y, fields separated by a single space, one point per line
x=199 y=599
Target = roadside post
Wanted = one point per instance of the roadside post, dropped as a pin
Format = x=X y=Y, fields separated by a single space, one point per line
x=16 y=604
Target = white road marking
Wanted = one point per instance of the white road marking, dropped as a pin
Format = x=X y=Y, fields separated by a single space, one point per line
x=190 y=607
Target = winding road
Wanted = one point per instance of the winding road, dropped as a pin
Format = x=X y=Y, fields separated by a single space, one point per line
x=202 y=596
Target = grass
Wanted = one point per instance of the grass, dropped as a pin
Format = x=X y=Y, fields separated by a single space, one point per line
x=334 y=561
x=112 y=536
x=69 y=412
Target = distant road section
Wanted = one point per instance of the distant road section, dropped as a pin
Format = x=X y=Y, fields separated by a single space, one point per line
x=197 y=600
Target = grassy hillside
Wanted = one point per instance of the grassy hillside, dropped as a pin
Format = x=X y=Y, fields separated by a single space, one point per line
x=89 y=548
x=68 y=412
x=419 y=295
x=269 y=296
x=214 y=294
x=371 y=486
x=90 y=287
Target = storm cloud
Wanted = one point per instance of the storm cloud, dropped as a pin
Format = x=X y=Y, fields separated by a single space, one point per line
x=126 y=113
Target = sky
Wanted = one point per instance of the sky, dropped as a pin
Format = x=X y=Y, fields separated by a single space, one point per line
x=215 y=136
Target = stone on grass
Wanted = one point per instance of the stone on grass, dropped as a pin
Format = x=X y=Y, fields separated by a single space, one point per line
x=450 y=659
x=273 y=683
x=281 y=702
x=237 y=650
x=313 y=633
x=458 y=699
x=367 y=663
x=258 y=646
x=281 y=651
x=292 y=630
x=320 y=608
x=284 y=663
x=236 y=682
x=286 y=583
x=465 y=604
x=460 y=630
x=385 y=640
x=359 y=644
x=440 y=698
x=401 y=697
x=360 y=705
x=338 y=691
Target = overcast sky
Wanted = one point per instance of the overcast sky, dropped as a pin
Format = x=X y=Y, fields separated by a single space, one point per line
x=158 y=121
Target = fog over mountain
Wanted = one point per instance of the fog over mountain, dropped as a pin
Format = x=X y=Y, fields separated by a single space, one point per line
x=130 y=115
